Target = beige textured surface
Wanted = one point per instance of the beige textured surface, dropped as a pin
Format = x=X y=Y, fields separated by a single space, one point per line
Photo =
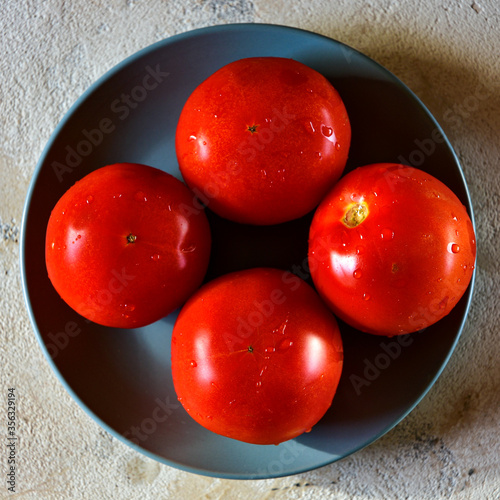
x=447 y=51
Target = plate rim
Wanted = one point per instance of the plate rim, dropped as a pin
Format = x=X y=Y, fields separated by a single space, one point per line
x=67 y=115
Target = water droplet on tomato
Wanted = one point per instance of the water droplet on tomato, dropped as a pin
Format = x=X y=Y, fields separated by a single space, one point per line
x=193 y=363
x=443 y=303
x=128 y=307
x=281 y=329
x=263 y=369
x=326 y=131
x=189 y=248
x=308 y=430
x=285 y=344
x=366 y=296
x=263 y=173
x=90 y=199
x=337 y=146
x=359 y=250
x=156 y=256
x=454 y=248
x=209 y=417
x=258 y=384
x=191 y=138
x=318 y=155
x=357 y=273
x=309 y=127
x=140 y=196
x=269 y=350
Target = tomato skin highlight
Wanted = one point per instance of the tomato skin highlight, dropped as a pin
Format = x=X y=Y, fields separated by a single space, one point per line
x=125 y=245
x=256 y=356
x=258 y=132
x=406 y=264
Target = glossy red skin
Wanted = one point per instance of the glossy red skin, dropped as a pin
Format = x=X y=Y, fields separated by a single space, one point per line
x=283 y=169
x=109 y=280
x=264 y=382
x=396 y=272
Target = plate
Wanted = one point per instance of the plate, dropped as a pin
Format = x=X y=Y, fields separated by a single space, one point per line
x=122 y=378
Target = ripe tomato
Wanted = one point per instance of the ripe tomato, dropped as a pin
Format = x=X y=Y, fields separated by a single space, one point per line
x=263 y=139
x=125 y=246
x=391 y=249
x=256 y=356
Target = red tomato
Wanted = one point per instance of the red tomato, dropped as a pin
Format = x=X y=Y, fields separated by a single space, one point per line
x=256 y=356
x=263 y=139
x=125 y=245
x=391 y=249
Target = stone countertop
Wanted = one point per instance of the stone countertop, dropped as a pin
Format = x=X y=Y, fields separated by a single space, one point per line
x=447 y=52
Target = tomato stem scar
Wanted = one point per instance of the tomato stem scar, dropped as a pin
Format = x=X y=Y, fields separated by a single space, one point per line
x=355 y=215
x=131 y=238
x=250 y=348
x=252 y=128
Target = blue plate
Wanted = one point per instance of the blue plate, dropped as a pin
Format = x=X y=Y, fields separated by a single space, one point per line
x=122 y=378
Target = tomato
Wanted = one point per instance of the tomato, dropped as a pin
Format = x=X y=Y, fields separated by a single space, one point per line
x=126 y=245
x=256 y=356
x=391 y=249
x=262 y=139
